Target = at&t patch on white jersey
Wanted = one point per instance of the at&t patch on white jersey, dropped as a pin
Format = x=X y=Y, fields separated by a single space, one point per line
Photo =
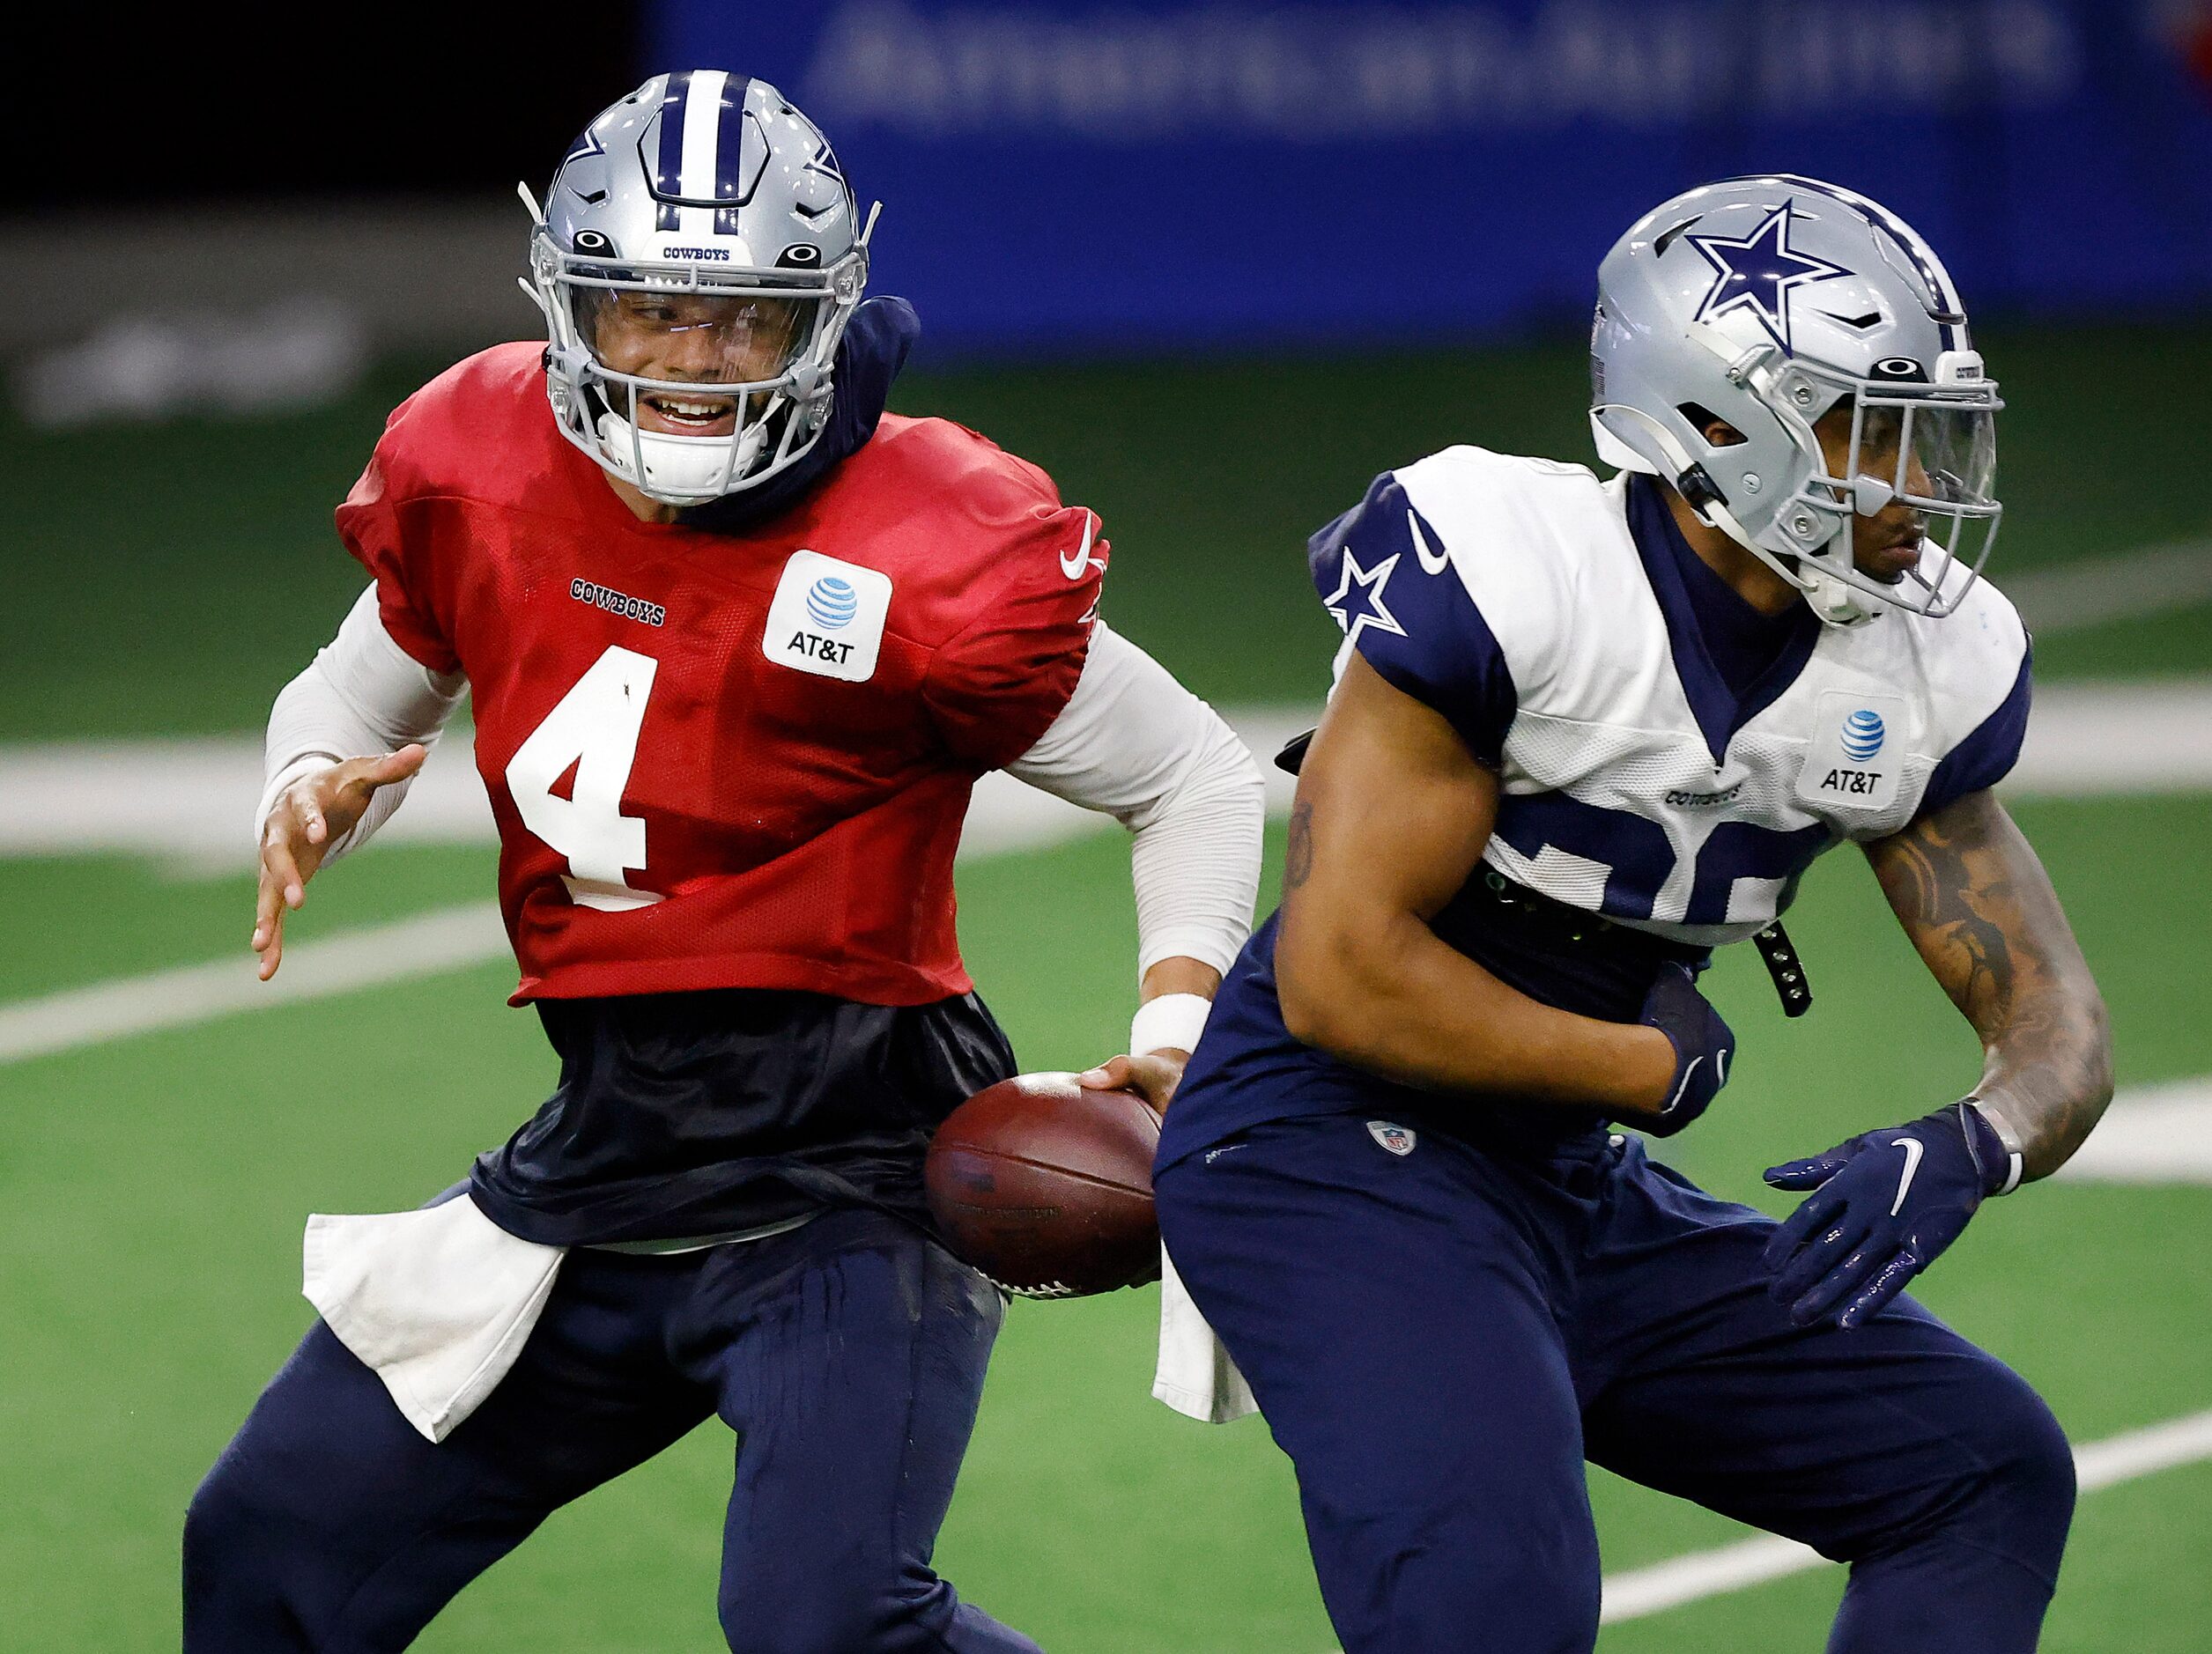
x=827 y=617
x=1851 y=759
x=1631 y=783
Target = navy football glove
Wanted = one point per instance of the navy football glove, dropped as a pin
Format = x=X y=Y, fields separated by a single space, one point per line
x=1885 y=1206
x=1703 y=1046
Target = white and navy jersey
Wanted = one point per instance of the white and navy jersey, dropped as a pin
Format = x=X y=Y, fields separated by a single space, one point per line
x=1670 y=759
x=1516 y=597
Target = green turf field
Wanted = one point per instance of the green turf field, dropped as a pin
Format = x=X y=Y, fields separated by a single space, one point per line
x=166 y=580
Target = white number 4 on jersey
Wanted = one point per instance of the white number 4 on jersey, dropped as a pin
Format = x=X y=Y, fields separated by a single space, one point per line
x=595 y=728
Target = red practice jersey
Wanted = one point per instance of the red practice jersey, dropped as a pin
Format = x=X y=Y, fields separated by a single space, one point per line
x=726 y=760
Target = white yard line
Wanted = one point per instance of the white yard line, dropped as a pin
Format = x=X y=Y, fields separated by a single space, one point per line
x=1644 y=1592
x=2152 y=1133
x=2090 y=739
x=445 y=939
x=1006 y=816
x=189 y=801
x=2085 y=739
x=1702 y=1574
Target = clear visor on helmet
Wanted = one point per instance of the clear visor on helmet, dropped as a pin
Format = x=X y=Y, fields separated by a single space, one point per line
x=1932 y=454
x=735 y=340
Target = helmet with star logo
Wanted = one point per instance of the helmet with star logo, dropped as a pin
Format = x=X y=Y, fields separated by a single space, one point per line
x=697 y=259
x=1772 y=305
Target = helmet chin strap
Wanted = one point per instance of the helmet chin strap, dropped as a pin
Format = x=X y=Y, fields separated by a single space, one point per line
x=1834 y=602
x=1830 y=598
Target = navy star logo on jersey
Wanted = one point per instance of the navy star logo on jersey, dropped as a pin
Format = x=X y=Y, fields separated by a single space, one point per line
x=1357 y=600
x=1758 y=272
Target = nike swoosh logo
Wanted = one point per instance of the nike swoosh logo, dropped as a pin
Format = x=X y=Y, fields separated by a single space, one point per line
x=1913 y=1153
x=1675 y=1101
x=1075 y=565
x=1432 y=561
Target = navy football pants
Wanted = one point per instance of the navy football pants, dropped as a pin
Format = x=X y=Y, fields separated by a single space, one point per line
x=847 y=1355
x=1439 y=1341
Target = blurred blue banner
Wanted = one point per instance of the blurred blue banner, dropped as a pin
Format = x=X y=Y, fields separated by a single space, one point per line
x=1073 y=176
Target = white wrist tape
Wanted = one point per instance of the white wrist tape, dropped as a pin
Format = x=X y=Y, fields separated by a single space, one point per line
x=1172 y=1021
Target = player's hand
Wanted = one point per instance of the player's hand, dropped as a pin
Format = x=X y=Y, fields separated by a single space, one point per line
x=307 y=818
x=1885 y=1206
x=1153 y=1076
x=1703 y=1048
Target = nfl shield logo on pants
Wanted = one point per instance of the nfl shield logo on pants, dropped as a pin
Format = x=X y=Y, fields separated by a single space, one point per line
x=1396 y=1138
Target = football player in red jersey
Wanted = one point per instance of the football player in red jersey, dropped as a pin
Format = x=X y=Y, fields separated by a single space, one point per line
x=739 y=644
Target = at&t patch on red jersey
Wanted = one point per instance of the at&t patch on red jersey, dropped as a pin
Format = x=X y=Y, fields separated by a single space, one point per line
x=727 y=759
x=827 y=617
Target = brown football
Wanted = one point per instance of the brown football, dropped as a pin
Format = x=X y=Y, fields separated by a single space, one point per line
x=1047 y=1188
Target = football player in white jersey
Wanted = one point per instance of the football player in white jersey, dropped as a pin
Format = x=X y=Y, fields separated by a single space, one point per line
x=1584 y=731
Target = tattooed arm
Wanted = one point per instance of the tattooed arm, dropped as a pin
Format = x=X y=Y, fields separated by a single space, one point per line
x=1976 y=905
x=1392 y=814
x=1980 y=909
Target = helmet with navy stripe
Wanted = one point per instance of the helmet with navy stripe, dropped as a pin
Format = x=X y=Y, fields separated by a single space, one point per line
x=1766 y=304
x=697 y=259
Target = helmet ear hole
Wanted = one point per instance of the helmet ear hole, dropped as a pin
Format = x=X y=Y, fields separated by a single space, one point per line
x=1702 y=420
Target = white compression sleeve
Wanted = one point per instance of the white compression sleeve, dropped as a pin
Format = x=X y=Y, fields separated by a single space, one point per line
x=1133 y=742
x=362 y=696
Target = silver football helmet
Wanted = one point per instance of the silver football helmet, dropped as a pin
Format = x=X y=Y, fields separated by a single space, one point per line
x=697 y=259
x=1767 y=303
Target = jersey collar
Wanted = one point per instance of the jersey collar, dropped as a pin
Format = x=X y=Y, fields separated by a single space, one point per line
x=1719 y=711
